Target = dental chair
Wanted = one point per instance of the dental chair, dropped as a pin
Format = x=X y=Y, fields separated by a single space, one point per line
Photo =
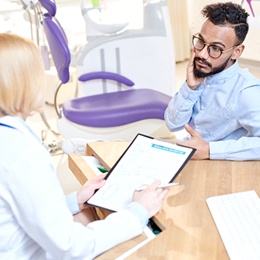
x=108 y=116
x=144 y=52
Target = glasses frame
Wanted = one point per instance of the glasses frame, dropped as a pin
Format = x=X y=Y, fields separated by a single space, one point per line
x=208 y=46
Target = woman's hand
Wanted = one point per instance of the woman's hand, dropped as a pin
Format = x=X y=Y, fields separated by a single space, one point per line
x=88 y=189
x=151 y=198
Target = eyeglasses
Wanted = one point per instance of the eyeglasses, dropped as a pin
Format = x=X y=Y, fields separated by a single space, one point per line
x=213 y=50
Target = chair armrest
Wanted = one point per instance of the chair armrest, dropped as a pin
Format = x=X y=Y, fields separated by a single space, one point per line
x=106 y=75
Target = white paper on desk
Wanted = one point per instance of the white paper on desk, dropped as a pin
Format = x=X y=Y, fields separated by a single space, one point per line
x=145 y=160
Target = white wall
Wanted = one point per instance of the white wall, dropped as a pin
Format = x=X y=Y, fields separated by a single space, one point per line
x=180 y=28
x=69 y=14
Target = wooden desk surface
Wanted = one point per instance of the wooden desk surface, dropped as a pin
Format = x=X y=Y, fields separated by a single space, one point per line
x=189 y=230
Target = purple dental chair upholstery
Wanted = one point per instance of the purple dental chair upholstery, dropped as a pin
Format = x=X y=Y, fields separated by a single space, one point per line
x=102 y=110
x=50 y=6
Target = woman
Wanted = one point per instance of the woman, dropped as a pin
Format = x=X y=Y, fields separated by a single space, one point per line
x=37 y=221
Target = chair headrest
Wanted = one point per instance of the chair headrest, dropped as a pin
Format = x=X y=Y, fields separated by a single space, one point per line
x=58 y=45
x=50 y=6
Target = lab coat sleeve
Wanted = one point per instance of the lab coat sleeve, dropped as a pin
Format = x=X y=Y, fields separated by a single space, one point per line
x=248 y=116
x=179 y=111
x=38 y=204
x=124 y=224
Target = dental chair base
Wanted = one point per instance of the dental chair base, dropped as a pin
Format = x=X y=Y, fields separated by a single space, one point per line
x=127 y=132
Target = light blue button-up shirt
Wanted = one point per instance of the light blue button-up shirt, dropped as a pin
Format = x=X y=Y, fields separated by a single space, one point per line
x=225 y=110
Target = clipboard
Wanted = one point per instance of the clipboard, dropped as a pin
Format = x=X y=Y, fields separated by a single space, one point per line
x=145 y=160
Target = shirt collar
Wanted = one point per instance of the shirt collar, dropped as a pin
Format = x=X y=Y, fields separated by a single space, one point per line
x=19 y=124
x=223 y=75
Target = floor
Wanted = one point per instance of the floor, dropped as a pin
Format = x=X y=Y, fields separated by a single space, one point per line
x=68 y=181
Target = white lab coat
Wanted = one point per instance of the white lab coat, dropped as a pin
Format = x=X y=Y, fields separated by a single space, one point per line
x=35 y=222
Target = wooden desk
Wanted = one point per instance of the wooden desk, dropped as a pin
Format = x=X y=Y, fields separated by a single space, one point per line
x=189 y=230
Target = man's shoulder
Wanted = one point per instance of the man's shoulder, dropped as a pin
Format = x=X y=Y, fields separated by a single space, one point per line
x=248 y=75
x=247 y=79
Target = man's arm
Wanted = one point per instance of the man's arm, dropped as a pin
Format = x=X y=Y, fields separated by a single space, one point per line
x=248 y=115
x=180 y=109
x=244 y=148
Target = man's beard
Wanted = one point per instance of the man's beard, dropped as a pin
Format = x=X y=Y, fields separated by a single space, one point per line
x=200 y=74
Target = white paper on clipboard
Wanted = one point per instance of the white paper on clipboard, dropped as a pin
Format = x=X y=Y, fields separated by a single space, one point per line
x=145 y=160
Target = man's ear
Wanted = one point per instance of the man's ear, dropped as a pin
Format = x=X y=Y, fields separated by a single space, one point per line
x=238 y=51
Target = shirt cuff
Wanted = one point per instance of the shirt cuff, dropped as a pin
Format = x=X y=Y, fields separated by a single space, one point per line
x=142 y=214
x=72 y=203
x=192 y=94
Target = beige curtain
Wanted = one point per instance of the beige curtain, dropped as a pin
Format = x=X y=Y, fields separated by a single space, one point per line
x=180 y=28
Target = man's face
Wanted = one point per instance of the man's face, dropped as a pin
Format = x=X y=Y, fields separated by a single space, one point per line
x=199 y=72
x=222 y=37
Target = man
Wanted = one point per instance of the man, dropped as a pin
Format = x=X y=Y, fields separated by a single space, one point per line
x=219 y=103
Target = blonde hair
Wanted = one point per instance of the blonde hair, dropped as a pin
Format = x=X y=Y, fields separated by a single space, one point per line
x=22 y=77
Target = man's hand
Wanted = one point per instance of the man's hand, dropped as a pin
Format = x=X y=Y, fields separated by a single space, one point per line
x=191 y=80
x=196 y=141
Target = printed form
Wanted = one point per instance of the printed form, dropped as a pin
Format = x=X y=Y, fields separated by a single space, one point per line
x=145 y=160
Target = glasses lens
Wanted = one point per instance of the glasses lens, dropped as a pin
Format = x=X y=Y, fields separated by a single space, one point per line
x=198 y=43
x=214 y=51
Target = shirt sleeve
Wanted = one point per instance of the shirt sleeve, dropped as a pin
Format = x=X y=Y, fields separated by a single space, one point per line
x=180 y=109
x=72 y=203
x=245 y=148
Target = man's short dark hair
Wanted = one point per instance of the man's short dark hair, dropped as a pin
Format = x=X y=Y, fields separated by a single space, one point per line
x=228 y=14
